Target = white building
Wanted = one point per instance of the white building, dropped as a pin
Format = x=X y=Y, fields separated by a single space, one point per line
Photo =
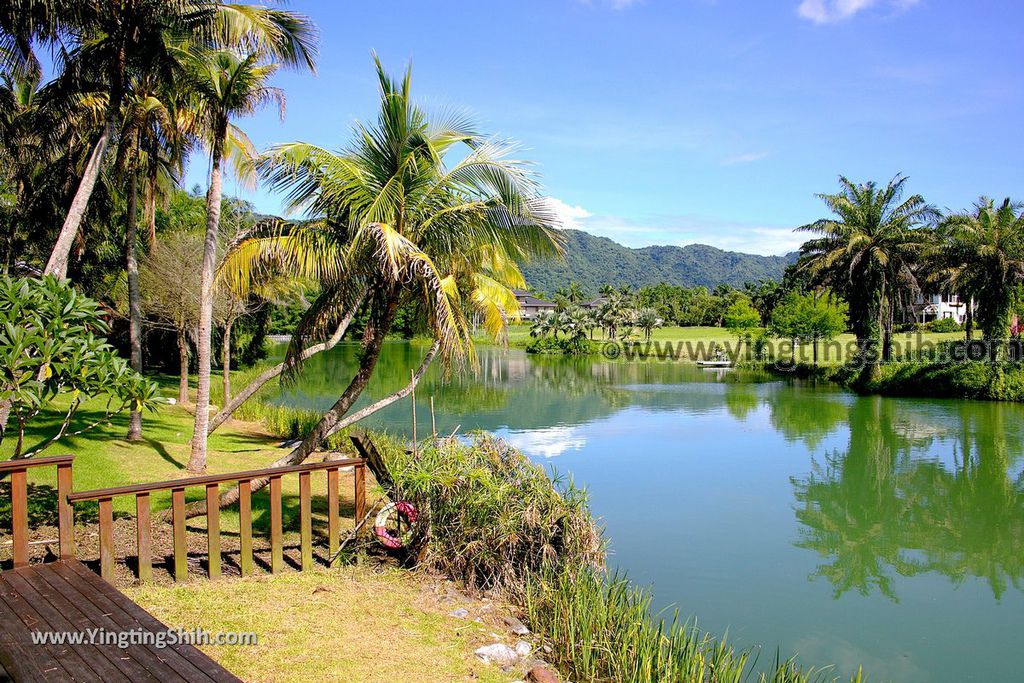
x=928 y=307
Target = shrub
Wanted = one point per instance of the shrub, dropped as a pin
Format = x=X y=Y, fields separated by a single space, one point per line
x=576 y=346
x=944 y=325
x=492 y=516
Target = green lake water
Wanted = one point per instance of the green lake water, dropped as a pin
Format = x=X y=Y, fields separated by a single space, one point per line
x=849 y=530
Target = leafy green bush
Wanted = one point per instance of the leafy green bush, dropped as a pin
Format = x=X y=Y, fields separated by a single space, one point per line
x=944 y=325
x=492 y=516
x=578 y=346
x=49 y=347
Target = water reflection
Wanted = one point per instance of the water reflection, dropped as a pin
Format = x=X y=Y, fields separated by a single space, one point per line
x=876 y=509
x=726 y=490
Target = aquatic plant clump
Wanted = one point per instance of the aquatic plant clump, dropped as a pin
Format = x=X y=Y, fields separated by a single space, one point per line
x=492 y=516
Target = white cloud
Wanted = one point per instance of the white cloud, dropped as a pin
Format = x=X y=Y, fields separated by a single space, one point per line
x=747 y=158
x=568 y=216
x=548 y=442
x=831 y=11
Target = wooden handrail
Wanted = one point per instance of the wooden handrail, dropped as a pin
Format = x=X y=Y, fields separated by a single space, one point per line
x=203 y=480
x=29 y=463
x=211 y=483
x=18 y=470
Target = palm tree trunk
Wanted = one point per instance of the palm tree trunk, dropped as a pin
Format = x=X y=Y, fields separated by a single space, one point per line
x=149 y=211
x=255 y=385
x=969 y=321
x=182 y=367
x=134 y=300
x=225 y=362
x=197 y=459
x=58 y=261
x=333 y=420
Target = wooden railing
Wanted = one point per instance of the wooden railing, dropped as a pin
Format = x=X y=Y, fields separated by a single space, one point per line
x=212 y=485
x=18 y=471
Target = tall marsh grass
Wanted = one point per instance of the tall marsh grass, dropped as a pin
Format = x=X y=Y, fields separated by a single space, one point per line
x=602 y=628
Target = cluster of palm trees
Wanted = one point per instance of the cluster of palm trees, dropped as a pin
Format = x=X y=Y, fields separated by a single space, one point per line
x=616 y=314
x=139 y=85
x=882 y=249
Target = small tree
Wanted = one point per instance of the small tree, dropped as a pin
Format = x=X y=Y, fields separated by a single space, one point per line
x=809 y=318
x=49 y=348
x=741 y=318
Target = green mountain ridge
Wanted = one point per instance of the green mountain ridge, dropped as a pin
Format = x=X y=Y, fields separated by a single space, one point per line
x=593 y=261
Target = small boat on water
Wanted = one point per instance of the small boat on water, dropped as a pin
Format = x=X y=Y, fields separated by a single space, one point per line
x=716 y=363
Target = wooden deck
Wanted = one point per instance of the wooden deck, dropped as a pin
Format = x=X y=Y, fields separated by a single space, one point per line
x=66 y=596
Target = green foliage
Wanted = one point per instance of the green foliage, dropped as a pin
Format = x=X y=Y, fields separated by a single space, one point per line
x=566 y=346
x=493 y=517
x=49 y=347
x=943 y=325
x=809 y=317
x=741 y=318
x=593 y=261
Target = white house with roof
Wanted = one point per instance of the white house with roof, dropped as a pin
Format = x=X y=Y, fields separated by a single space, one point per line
x=927 y=307
x=530 y=306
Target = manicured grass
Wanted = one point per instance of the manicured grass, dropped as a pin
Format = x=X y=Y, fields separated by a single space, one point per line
x=349 y=624
x=839 y=350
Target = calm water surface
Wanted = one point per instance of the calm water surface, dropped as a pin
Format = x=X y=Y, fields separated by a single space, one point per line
x=874 y=531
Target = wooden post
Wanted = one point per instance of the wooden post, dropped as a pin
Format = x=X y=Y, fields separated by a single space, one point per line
x=142 y=530
x=19 y=516
x=276 y=542
x=213 y=529
x=359 y=474
x=433 y=421
x=333 y=521
x=178 y=518
x=305 y=521
x=412 y=379
x=107 y=539
x=245 y=525
x=65 y=513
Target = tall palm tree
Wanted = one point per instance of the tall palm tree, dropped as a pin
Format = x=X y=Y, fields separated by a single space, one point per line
x=396 y=223
x=981 y=255
x=867 y=254
x=228 y=84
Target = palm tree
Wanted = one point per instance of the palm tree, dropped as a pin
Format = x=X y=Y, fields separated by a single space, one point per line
x=393 y=224
x=146 y=118
x=868 y=253
x=227 y=84
x=981 y=255
x=647 y=320
x=542 y=325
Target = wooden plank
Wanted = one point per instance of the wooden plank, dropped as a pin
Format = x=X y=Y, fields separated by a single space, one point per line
x=172 y=484
x=305 y=521
x=359 y=474
x=245 y=526
x=333 y=518
x=65 y=513
x=117 y=665
x=147 y=656
x=107 y=539
x=19 y=516
x=37 y=615
x=178 y=523
x=144 y=533
x=213 y=529
x=189 y=663
x=29 y=463
x=276 y=541
x=22 y=660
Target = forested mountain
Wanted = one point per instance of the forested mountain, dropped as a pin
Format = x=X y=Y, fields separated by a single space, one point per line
x=593 y=261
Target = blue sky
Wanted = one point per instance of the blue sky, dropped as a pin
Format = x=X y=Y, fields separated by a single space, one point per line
x=682 y=121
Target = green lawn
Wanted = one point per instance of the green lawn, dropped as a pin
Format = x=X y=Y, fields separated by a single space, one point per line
x=703 y=337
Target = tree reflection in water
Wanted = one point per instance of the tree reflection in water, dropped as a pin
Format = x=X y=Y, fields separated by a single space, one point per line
x=878 y=510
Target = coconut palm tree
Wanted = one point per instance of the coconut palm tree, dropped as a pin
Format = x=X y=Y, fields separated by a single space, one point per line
x=867 y=254
x=981 y=255
x=647 y=320
x=394 y=224
x=227 y=84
